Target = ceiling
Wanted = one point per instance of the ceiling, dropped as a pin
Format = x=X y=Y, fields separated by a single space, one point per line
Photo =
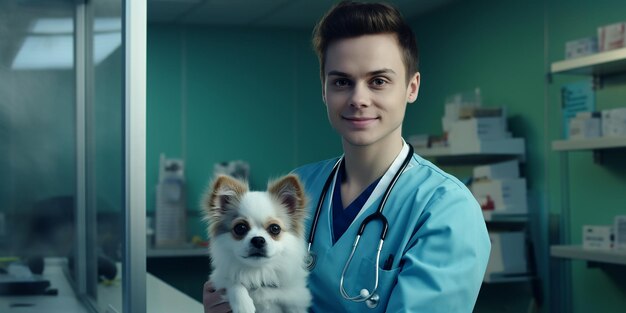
x=262 y=13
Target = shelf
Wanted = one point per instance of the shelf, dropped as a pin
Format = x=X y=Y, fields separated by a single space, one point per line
x=484 y=152
x=494 y=216
x=577 y=252
x=603 y=63
x=507 y=278
x=589 y=144
x=176 y=252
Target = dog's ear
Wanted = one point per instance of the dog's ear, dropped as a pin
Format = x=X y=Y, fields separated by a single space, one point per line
x=224 y=194
x=290 y=192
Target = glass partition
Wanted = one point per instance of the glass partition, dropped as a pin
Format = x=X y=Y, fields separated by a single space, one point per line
x=37 y=131
x=66 y=187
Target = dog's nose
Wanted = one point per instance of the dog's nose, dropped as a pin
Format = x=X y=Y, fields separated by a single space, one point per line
x=258 y=242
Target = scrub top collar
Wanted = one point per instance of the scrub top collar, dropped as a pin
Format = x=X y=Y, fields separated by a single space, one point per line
x=382 y=184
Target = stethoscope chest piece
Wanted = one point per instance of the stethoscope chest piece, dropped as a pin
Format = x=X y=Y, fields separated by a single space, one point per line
x=371 y=302
x=310 y=260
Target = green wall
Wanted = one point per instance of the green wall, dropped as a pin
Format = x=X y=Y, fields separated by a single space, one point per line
x=219 y=94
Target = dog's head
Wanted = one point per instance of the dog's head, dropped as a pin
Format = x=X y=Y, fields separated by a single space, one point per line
x=256 y=226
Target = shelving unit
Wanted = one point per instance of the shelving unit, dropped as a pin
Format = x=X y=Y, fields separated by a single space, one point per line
x=599 y=65
x=579 y=253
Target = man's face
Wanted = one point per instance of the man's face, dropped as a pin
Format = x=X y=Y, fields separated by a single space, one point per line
x=365 y=89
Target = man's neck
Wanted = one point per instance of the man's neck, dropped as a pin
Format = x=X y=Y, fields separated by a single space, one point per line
x=365 y=164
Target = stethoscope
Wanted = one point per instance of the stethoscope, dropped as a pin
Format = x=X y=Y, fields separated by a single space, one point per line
x=371 y=299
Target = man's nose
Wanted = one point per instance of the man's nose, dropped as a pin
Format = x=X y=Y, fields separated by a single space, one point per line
x=360 y=96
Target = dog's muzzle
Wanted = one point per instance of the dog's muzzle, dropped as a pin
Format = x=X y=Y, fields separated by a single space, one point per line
x=257 y=247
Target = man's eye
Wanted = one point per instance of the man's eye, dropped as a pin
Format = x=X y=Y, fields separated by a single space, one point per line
x=240 y=229
x=379 y=82
x=341 y=82
x=274 y=229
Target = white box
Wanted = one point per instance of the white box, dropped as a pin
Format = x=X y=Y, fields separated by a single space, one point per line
x=614 y=122
x=597 y=237
x=619 y=229
x=505 y=195
x=507 y=169
x=446 y=123
x=611 y=36
x=581 y=47
x=499 y=146
x=508 y=253
x=583 y=128
x=484 y=128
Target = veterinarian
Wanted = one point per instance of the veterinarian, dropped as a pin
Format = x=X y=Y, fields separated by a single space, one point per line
x=436 y=247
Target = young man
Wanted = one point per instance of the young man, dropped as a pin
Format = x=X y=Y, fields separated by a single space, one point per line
x=437 y=247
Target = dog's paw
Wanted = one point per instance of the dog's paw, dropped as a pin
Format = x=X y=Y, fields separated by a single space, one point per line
x=240 y=301
x=244 y=305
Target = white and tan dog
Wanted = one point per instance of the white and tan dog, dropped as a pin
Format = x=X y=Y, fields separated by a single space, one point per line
x=257 y=245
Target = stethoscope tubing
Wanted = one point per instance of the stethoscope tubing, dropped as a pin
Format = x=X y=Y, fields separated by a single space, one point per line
x=378 y=215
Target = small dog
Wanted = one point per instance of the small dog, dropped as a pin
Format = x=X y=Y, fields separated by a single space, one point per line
x=257 y=247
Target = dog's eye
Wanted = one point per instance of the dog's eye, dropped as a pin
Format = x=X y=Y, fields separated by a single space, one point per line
x=274 y=229
x=240 y=229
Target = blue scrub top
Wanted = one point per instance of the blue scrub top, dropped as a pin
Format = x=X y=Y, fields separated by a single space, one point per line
x=343 y=217
x=437 y=238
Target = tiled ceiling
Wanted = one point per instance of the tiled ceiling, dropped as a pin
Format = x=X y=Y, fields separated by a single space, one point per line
x=262 y=13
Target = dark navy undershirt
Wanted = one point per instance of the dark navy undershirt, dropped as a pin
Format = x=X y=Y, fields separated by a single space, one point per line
x=342 y=218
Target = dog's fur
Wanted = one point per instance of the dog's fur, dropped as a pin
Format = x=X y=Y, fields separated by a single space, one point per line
x=257 y=244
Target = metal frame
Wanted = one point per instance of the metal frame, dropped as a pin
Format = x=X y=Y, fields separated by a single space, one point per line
x=80 y=63
x=134 y=267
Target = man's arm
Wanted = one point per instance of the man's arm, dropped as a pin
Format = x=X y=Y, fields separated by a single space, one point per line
x=443 y=269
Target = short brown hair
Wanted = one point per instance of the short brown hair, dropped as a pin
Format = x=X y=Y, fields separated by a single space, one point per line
x=349 y=19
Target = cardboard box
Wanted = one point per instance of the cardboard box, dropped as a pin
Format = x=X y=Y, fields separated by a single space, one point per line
x=619 y=230
x=597 y=237
x=612 y=36
x=502 y=170
x=499 y=146
x=614 y=122
x=581 y=47
x=506 y=195
x=584 y=128
x=508 y=253
x=483 y=128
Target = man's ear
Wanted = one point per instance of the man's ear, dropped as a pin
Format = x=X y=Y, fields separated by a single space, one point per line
x=413 y=88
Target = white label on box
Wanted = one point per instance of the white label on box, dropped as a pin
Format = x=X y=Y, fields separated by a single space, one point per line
x=582 y=128
x=597 y=237
x=614 y=122
x=581 y=47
